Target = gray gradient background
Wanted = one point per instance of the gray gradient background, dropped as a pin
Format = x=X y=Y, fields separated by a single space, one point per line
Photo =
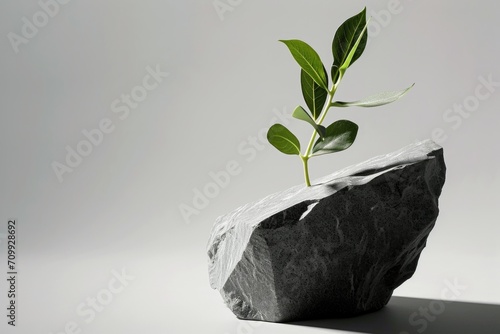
x=120 y=207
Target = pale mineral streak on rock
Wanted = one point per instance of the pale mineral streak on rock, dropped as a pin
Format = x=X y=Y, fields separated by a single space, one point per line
x=338 y=248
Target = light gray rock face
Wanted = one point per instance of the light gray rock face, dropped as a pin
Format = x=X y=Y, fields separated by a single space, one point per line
x=338 y=248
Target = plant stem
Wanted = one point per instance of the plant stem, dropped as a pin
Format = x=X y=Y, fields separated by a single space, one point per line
x=306 y=170
x=322 y=116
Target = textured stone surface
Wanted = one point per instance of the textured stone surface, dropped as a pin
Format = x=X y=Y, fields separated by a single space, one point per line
x=338 y=248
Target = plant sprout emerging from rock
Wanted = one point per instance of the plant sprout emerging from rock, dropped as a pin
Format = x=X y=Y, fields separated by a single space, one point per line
x=348 y=45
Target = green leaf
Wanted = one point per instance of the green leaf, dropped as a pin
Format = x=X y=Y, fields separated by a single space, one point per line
x=352 y=53
x=285 y=141
x=309 y=61
x=300 y=113
x=314 y=95
x=351 y=32
x=375 y=100
x=339 y=136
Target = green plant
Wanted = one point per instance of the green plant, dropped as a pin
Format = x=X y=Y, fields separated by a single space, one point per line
x=347 y=46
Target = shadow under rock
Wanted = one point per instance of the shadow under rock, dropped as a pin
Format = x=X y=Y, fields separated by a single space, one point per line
x=404 y=315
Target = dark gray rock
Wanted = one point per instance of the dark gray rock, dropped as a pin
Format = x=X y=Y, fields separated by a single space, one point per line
x=338 y=248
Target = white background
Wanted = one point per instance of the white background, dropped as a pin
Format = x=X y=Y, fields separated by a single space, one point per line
x=227 y=77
